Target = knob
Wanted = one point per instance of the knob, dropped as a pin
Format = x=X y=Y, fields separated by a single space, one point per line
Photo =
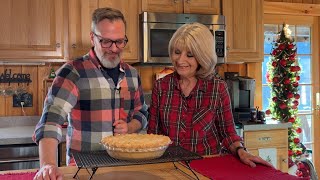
x=73 y=45
x=285 y=160
x=228 y=47
x=58 y=45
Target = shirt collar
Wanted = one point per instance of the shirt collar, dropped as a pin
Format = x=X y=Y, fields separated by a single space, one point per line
x=201 y=84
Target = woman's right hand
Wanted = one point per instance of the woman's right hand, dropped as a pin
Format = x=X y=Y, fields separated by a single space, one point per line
x=49 y=172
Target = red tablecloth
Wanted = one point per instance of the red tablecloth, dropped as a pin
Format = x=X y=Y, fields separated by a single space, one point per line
x=18 y=176
x=229 y=167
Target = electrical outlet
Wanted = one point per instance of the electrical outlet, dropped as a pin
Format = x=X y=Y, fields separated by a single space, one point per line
x=26 y=98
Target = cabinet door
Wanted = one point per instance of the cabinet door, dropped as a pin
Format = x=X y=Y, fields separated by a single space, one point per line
x=282 y=157
x=130 y=11
x=244 y=28
x=167 y=6
x=282 y=163
x=202 y=6
x=80 y=12
x=31 y=29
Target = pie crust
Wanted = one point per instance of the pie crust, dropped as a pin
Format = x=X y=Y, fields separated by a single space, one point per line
x=136 y=146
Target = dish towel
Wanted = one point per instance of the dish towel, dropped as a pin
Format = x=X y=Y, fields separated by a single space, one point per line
x=228 y=167
x=18 y=176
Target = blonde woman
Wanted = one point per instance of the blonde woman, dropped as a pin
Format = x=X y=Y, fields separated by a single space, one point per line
x=190 y=105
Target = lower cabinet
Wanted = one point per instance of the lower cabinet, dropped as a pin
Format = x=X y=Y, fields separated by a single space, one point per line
x=271 y=145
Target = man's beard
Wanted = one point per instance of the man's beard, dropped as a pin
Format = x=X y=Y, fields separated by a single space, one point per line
x=109 y=63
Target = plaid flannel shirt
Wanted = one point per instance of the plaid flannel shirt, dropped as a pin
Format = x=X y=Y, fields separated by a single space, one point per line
x=90 y=102
x=201 y=122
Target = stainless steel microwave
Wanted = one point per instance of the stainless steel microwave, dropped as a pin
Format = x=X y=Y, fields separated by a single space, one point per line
x=156 y=30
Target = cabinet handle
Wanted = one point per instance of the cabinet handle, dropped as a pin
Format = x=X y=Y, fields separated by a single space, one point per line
x=228 y=47
x=73 y=45
x=285 y=160
x=58 y=45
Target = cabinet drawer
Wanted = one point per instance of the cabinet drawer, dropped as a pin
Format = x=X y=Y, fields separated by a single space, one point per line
x=268 y=138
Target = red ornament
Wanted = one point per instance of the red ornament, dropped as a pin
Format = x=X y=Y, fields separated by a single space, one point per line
x=283 y=62
x=290 y=152
x=289 y=95
x=268 y=112
x=296 y=140
x=292 y=58
x=294 y=107
x=292 y=120
x=282 y=46
x=298 y=68
x=275 y=79
x=298 y=130
x=274 y=52
x=299 y=153
x=297 y=96
x=295 y=84
x=274 y=99
x=293 y=69
x=286 y=81
x=282 y=105
x=295 y=102
x=274 y=64
x=290 y=46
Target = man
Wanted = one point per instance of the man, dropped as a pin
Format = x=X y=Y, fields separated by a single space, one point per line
x=98 y=94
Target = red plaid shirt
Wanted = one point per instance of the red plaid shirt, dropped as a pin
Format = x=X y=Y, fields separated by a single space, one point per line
x=201 y=122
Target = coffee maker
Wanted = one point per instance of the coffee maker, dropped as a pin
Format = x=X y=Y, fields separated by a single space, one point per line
x=241 y=90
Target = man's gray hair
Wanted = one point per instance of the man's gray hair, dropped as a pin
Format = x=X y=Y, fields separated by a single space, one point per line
x=106 y=13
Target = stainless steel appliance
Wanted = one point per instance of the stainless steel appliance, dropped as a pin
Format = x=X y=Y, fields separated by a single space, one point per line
x=156 y=30
x=14 y=157
x=241 y=90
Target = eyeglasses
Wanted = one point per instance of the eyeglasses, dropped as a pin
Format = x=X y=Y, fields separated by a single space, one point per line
x=107 y=43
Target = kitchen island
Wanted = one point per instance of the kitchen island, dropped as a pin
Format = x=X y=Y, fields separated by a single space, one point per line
x=139 y=172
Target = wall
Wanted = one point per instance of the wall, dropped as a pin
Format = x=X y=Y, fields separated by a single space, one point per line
x=37 y=75
x=297 y=1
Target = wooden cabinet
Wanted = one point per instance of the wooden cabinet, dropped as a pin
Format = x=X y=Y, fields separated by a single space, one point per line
x=277 y=139
x=32 y=29
x=182 y=6
x=244 y=27
x=80 y=12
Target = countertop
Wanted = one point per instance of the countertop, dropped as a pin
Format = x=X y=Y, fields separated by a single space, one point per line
x=270 y=124
x=19 y=130
x=158 y=171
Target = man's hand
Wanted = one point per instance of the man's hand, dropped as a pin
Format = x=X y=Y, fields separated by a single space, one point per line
x=120 y=127
x=251 y=160
x=49 y=172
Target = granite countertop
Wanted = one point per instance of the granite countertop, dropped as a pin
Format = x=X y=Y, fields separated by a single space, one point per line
x=270 y=124
x=19 y=129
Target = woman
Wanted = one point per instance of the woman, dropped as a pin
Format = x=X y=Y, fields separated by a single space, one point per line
x=190 y=105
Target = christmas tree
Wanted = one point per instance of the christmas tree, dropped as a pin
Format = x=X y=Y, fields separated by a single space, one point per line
x=283 y=79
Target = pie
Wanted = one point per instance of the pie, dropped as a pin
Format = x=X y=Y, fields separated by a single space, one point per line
x=136 y=146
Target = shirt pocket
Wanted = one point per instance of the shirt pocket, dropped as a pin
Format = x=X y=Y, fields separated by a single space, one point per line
x=202 y=120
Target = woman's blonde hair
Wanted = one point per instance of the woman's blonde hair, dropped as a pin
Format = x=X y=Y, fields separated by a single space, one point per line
x=197 y=39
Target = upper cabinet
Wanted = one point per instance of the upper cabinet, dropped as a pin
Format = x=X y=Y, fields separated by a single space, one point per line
x=182 y=6
x=244 y=26
x=80 y=12
x=32 y=29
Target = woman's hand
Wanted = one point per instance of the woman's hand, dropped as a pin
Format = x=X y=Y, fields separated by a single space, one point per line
x=251 y=160
x=49 y=172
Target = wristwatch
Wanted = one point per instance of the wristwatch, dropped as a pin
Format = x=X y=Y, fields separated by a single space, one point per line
x=238 y=148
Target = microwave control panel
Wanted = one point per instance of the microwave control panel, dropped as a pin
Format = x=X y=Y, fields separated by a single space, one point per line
x=220 y=42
